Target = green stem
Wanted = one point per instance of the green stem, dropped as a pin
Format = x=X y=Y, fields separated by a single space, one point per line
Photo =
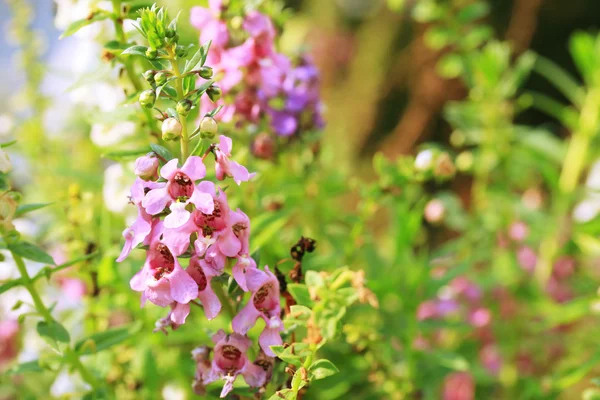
x=127 y=63
x=70 y=354
x=572 y=170
x=224 y=299
x=180 y=96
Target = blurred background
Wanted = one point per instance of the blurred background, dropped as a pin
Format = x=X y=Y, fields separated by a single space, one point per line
x=399 y=79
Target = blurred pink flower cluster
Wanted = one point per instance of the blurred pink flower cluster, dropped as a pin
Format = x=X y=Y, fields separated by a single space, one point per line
x=182 y=215
x=259 y=83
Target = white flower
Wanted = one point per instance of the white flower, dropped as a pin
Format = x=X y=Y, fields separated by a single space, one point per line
x=67 y=384
x=6 y=124
x=172 y=392
x=424 y=160
x=116 y=188
x=108 y=135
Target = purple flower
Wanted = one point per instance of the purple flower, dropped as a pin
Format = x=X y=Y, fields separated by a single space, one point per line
x=264 y=303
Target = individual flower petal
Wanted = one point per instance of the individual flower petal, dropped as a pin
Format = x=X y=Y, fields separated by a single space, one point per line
x=178 y=217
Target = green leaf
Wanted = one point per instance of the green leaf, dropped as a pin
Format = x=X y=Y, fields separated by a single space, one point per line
x=473 y=11
x=450 y=66
x=30 y=366
x=300 y=293
x=314 y=279
x=284 y=394
x=10 y=284
x=105 y=340
x=124 y=154
x=292 y=354
x=53 y=332
x=77 y=25
x=200 y=148
x=321 y=369
x=7 y=144
x=136 y=50
x=198 y=59
x=26 y=208
x=31 y=252
x=214 y=112
x=196 y=94
x=162 y=152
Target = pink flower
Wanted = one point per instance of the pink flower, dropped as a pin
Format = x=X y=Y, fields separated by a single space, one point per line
x=229 y=361
x=527 y=258
x=227 y=168
x=179 y=191
x=9 y=341
x=208 y=225
x=518 y=231
x=202 y=275
x=459 y=386
x=140 y=229
x=163 y=281
x=480 y=317
x=146 y=167
x=264 y=303
x=244 y=263
x=208 y=21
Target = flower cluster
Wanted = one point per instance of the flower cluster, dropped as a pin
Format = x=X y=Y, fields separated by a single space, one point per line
x=462 y=300
x=260 y=82
x=557 y=286
x=182 y=215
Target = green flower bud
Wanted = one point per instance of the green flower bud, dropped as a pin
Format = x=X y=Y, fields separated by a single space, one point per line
x=160 y=78
x=183 y=107
x=214 y=93
x=181 y=51
x=151 y=54
x=147 y=98
x=171 y=129
x=149 y=76
x=170 y=33
x=208 y=128
x=206 y=72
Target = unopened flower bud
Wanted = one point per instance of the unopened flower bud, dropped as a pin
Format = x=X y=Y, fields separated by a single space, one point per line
x=183 y=107
x=263 y=146
x=147 y=98
x=214 y=93
x=171 y=129
x=149 y=76
x=206 y=72
x=444 y=167
x=181 y=51
x=160 y=78
x=208 y=128
x=151 y=54
x=434 y=211
x=464 y=161
x=146 y=167
x=170 y=33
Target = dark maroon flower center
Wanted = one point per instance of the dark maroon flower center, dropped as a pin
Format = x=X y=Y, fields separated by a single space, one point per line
x=231 y=353
x=211 y=222
x=199 y=277
x=261 y=295
x=181 y=186
x=163 y=263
